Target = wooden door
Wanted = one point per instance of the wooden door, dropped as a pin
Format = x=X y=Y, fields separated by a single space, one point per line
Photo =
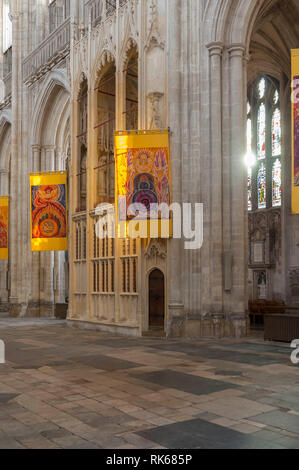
x=156 y=300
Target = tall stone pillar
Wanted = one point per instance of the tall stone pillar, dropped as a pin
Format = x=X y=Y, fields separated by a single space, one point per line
x=34 y=302
x=239 y=222
x=47 y=258
x=41 y=18
x=1 y=39
x=91 y=184
x=4 y=183
x=4 y=175
x=176 y=311
x=216 y=190
x=15 y=268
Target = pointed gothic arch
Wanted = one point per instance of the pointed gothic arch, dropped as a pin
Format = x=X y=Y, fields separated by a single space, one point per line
x=242 y=40
x=55 y=81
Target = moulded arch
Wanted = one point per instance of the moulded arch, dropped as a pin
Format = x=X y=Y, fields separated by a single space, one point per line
x=5 y=140
x=55 y=80
x=105 y=59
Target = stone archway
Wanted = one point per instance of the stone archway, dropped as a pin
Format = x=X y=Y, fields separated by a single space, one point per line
x=50 y=142
x=5 y=162
x=235 y=54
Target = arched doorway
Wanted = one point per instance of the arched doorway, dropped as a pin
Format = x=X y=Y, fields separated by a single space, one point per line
x=156 y=300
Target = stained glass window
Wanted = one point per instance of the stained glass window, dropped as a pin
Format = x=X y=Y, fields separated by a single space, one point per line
x=276 y=184
x=262 y=87
x=261 y=132
x=262 y=187
x=276 y=133
x=264 y=145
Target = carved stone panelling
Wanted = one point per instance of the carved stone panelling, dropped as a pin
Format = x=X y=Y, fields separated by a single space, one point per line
x=156 y=248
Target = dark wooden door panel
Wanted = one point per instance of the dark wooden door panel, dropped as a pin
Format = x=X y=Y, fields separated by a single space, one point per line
x=156 y=299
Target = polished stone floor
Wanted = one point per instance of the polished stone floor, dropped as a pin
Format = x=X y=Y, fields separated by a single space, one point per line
x=68 y=388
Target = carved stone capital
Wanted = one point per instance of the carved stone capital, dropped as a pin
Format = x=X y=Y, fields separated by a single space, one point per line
x=237 y=50
x=215 y=48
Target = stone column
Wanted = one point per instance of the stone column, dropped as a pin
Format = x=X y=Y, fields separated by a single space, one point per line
x=239 y=210
x=215 y=51
x=73 y=199
x=4 y=183
x=120 y=92
x=289 y=221
x=15 y=271
x=4 y=175
x=36 y=158
x=74 y=13
x=1 y=40
x=40 y=22
x=34 y=303
x=59 y=257
x=59 y=12
x=47 y=258
x=92 y=147
x=176 y=312
x=59 y=277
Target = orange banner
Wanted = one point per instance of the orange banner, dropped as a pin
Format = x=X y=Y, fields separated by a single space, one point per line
x=4 y=219
x=143 y=180
x=48 y=195
x=295 y=131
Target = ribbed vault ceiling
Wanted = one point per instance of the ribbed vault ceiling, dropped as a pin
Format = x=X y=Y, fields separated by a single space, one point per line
x=275 y=33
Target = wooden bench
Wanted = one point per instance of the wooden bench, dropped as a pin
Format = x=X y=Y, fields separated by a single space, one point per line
x=260 y=308
x=283 y=328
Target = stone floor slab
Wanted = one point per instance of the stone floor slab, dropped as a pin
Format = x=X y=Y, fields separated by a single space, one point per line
x=75 y=389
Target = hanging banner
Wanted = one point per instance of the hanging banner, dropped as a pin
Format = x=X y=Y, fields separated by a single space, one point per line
x=4 y=208
x=143 y=184
x=295 y=131
x=48 y=201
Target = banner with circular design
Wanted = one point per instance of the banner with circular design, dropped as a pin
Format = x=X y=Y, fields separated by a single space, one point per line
x=143 y=180
x=4 y=217
x=48 y=201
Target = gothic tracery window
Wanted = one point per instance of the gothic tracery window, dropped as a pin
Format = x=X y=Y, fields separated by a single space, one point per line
x=264 y=141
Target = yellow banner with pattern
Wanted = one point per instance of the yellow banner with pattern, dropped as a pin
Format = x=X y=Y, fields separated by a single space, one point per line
x=48 y=202
x=143 y=184
x=295 y=131
x=4 y=218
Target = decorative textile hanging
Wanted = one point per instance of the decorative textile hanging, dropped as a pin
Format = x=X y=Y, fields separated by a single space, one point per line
x=48 y=202
x=295 y=131
x=4 y=217
x=143 y=181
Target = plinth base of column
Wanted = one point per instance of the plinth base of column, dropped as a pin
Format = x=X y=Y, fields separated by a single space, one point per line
x=47 y=310
x=176 y=319
x=4 y=307
x=214 y=325
x=16 y=310
x=33 y=309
